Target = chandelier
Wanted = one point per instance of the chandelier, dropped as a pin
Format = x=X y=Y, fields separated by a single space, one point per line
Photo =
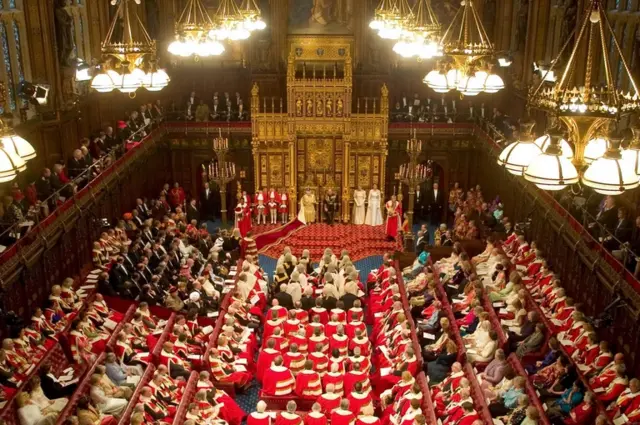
x=392 y=19
x=233 y=23
x=14 y=152
x=128 y=64
x=192 y=33
x=467 y=66
x=589 y=110
x=420 y=37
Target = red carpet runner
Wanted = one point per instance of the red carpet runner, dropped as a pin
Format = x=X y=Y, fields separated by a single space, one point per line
x=360 y=241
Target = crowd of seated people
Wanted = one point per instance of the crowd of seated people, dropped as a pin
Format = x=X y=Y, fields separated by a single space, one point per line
x=221 y=107
x=26 y=205
x=156 y=255
x=574 y=374
x=446 y=109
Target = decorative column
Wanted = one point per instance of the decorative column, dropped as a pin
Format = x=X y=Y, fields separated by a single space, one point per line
x=346 y=190
x=293 y=181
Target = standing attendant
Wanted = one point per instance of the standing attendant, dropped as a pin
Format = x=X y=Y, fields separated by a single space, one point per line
x=394 y=215
x=284 y=205
x=206 y=202
x=359 y=208
x=330 y=205
x=374 y=215
x=272 y=205
x=418 y=208
x=434 y=204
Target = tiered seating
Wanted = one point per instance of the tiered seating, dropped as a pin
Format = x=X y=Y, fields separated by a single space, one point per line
x=534 y=398
x=146 y=378
x=83 y=389
x=187 y=396
x=479 y=402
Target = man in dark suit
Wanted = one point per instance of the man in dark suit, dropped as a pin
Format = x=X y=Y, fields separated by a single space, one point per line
x=119 y=273
x=307 y=302
x=77 y=164
x=284 y=299
x=206 y=202
x=422 y=240
x=348 y=299
x=622 y=231
x=51 y=387
x=607 y=217
x=435 y=204
x=527 y=329
x=192 y=212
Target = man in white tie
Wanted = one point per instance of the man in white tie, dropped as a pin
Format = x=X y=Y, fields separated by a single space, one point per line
x=206 y=202
x=435 y=205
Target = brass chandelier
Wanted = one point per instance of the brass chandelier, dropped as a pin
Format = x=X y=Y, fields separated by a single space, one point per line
x=128 y=64
x=469 y=54
x=420 y=37
x=589 y=111
x=192 y=33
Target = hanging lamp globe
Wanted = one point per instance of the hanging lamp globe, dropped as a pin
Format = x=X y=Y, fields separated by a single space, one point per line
x=632 y=153
x=552 y=170
x=544 y=142
x=10 y=164
x=610 y=174
x=517 y=156
x=595 y=149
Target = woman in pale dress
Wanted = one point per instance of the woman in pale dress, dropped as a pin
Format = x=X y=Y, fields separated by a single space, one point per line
x=107 y=405
x=29 y=413
x=45 y=404
x=359 y=208
x=374 y=214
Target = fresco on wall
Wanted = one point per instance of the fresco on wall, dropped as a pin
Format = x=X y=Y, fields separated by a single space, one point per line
x=317 y=17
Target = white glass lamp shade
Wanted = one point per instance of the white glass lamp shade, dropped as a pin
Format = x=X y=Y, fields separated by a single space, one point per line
x=175 y=47
x=131 y=81
x=493 y=83
x=595 y=149
x=544 y=141
x=437 y=81
x=10 y=165
x=376 y=25
x=405 y=48
x=390 y=33
x=18 y=146
x=453 y=78
x=517 y=156
x=102 y=83
x=156 y=80
x=551 y=172
x=470 y=85
x=610 y=176
x=259 y=24
x=632 y=156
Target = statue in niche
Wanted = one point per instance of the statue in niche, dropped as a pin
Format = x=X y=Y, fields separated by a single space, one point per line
x=521 y=28
x=64 y=32
x=153 y=17
x=569 y=19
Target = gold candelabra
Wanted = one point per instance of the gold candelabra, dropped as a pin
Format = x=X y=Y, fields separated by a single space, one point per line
x=412 y=174
x=221 y=172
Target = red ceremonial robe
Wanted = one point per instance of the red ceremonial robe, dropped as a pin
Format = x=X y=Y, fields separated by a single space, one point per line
x=278 y=381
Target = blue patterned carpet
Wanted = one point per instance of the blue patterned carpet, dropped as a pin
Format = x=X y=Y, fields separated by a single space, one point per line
x=249 y=399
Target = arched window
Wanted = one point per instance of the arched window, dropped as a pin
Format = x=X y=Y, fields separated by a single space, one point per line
x=14 y=49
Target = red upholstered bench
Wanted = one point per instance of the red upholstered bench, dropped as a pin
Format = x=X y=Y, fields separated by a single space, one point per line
x=144 y=380
x=187 y=396
x=477 y=395
x=531 y=391
x=168 y=328
x=427 y=404
x=280 y=402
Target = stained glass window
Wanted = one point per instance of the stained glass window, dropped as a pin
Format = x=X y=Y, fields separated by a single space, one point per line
x=16 y=37
x=4 y=41
x=12 y=4
x=1 y=4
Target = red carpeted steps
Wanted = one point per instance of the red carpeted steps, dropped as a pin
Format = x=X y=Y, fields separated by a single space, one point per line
x=360 y=241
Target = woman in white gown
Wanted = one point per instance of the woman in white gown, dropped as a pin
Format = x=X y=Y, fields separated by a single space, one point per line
x=107 y=405
x=29 y=412
x=374 y=215
x=359 y=208
x=45 y=404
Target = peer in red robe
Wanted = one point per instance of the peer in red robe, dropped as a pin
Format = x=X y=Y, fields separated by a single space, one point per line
x=288 y=418
x=358 y=400
x=342 y=415
x=278 y=380
x=308 y=382
x=266 y=358
x=315 y=417
x=259 y=418
x=329 y=401
x=394 y=215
